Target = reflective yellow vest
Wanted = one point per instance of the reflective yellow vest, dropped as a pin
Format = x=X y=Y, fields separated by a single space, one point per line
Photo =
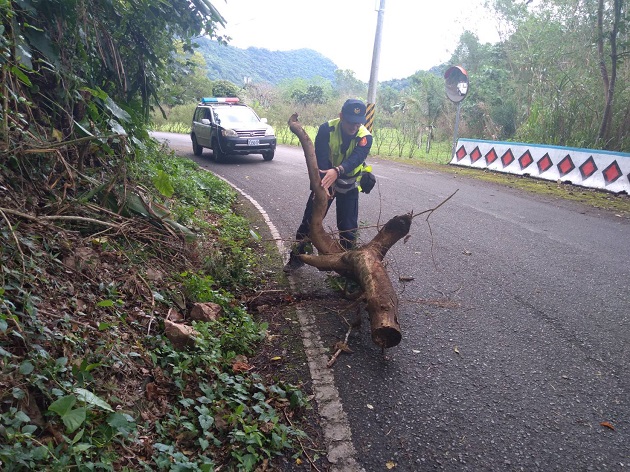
x=349 y=180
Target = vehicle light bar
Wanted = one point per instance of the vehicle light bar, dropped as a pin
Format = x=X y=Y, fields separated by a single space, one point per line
x=219 y=100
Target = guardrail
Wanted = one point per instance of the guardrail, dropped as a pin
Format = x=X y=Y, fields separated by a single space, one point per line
x=593 y=168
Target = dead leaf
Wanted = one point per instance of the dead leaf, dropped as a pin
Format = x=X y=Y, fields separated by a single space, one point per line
x=276 y=358
x=241 y=367
x=341 y=346
x=151 y=391
x=266 y=427
x=390 y=464
x=607 y=424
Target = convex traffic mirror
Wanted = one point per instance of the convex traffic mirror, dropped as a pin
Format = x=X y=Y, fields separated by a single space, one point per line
x=456 y=81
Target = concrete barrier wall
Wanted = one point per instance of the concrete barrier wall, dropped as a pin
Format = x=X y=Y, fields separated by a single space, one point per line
x=604 y=170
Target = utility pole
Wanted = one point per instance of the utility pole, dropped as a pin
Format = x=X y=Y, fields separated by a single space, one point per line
x=376 y=55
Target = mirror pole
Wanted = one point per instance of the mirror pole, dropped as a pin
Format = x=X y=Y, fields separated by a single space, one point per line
x=459 y=106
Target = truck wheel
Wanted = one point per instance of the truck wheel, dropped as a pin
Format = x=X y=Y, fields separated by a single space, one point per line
x=268 y=155
x=197 y=149
x=217 y=154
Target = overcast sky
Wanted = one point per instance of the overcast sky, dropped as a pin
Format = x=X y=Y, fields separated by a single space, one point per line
x=416 y=34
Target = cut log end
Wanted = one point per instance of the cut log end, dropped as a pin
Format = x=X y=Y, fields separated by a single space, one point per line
x=386 y=336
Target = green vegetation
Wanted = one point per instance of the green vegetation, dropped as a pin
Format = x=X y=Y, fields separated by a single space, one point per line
x=108 y=242
x=90 y=380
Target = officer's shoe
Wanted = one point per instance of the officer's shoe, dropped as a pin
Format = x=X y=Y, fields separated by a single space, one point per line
x=294 y=262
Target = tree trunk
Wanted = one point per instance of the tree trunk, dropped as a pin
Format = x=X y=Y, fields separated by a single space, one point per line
x=609 y=81
x=364 y=264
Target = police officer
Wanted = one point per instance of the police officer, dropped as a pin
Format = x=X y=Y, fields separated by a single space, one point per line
x=341 y=147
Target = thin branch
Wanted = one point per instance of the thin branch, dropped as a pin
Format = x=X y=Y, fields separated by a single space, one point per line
x=17 y=243
x=52 y=147
x=40 y=219
x=301 y=445
x=430 y=211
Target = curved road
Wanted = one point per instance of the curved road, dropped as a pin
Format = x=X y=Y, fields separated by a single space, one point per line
x=516 y=325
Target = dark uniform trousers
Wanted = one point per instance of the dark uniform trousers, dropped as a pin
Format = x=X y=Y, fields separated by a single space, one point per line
x=347 y=218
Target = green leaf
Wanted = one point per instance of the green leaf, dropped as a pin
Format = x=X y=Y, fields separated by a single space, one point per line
x=163 y=183
x=117 y=127
x=29 y=429
x=21 y=75
x=4 y=353
x=88 y=397
x=97 y=92
x=116 y=110
x=105 y=303
x=63 y=405
x=74 y=419
x=22 y=417
x=78 y=436
x=82 y=447
x=248 y=461
x=26 y=368
x=121 y=422
x=39 y=453
x=136 y=204
x=180 y=228
x=85 y=131
x=206 y=422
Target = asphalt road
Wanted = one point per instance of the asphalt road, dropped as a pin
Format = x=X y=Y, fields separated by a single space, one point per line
x=516 y=326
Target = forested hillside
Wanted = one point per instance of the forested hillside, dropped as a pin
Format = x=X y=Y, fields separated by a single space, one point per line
x=108 y=243
x=226 y=62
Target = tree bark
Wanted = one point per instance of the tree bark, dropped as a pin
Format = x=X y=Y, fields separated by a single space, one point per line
x=608 y=81
x=364 y=264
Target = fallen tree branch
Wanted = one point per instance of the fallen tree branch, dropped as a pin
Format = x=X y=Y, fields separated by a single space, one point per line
x=364 y=264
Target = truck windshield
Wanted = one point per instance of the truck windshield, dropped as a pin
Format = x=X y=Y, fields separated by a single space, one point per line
x=229 y=116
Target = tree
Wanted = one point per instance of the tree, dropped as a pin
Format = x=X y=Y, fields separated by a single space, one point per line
x=313 y=95
x=124 y=49
x=187 y=82
x=609 y=80
x=560 y=54
x=429 y=95
x=224 y=88
x=347 y=85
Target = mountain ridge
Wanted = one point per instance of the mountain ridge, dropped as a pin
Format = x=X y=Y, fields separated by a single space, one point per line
x=225 y=62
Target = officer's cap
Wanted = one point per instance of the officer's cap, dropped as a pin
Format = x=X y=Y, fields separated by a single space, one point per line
x=353 y=111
